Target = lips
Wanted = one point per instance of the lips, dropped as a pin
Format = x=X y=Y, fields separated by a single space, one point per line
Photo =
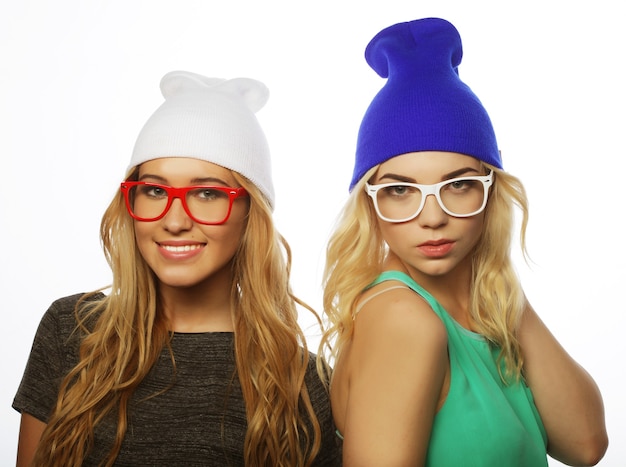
x=436 y=248
x=180 y=250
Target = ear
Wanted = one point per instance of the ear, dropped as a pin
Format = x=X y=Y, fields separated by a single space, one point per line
x=181 y=82
x=253 y=93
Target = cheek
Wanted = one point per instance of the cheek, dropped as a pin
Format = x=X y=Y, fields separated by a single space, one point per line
x=474 y=230
x=142 y=234
x=228 y=235
x=394 y=233
x=236 y=225
x=141 y=228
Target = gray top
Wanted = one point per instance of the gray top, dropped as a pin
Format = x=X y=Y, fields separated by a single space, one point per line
x=199 y=420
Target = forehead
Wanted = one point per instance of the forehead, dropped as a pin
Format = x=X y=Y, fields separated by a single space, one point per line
x=427 y=164
x=184 y=169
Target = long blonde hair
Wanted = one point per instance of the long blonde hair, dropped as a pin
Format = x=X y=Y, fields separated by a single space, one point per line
x=129 y=334
x=356 y=251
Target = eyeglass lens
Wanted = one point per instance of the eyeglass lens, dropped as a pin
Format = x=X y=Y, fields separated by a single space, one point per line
x=204 y=203
x=458 y=197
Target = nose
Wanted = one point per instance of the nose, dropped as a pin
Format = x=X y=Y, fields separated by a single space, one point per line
x=176 y=218
x=432 y=216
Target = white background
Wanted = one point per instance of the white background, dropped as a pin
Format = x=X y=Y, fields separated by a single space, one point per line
x=80 y=77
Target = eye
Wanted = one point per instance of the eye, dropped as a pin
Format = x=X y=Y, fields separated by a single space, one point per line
x=152 y=191
x=208 y=194
x=460 y=185
x=398 y=191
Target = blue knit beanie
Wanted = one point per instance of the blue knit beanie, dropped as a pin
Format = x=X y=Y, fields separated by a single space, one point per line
x=424 y=105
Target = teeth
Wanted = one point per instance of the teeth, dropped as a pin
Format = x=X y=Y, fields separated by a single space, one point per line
x=180 y=249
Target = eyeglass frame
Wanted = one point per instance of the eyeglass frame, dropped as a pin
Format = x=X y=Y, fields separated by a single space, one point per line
x=434 y=189
x=180 y=193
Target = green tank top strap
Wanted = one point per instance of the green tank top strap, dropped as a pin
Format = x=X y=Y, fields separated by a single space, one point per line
x=409 y=282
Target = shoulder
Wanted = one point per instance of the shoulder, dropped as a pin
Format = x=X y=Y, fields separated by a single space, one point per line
x=67 y=305
x=60 y=313
x=392 y=307
x=394 y=329
x=53 y=353
x=60 y=318
x=390 y=377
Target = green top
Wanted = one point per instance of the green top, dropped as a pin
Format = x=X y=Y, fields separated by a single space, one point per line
x=483 y=422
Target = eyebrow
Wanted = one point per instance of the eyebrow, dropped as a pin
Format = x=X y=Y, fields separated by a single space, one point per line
x=448 y=176
x=193 y=181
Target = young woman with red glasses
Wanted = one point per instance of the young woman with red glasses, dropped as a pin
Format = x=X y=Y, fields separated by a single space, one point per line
x=194 y=357
x=440 y=359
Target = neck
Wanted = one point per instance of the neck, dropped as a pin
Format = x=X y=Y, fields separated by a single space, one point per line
x=204 y=307
x=451 y=290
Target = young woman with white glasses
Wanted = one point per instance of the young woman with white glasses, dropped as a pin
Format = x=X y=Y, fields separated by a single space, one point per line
x=439 y=358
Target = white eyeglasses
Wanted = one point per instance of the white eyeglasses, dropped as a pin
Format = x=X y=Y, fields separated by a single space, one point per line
x=458 y=197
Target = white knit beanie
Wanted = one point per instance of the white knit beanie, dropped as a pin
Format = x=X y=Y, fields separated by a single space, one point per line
x=211 y=119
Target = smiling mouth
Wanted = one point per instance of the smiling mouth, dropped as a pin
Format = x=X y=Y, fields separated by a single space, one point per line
x=182 y=248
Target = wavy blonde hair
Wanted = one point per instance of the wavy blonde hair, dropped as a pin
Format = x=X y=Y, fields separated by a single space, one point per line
x=129 y=333
x=356 y=251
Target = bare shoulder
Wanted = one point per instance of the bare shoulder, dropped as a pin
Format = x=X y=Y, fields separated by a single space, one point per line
x=392 y=309
x=389 y=380
x=396 y=325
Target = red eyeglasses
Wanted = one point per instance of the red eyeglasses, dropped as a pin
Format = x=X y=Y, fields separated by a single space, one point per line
x=209 y=205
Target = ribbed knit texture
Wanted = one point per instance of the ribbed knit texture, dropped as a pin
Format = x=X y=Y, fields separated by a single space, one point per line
x=211 y=119
x=424 y=105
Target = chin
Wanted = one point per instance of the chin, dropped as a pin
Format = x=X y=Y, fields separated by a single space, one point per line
x=177 y=282
x=436 y=269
